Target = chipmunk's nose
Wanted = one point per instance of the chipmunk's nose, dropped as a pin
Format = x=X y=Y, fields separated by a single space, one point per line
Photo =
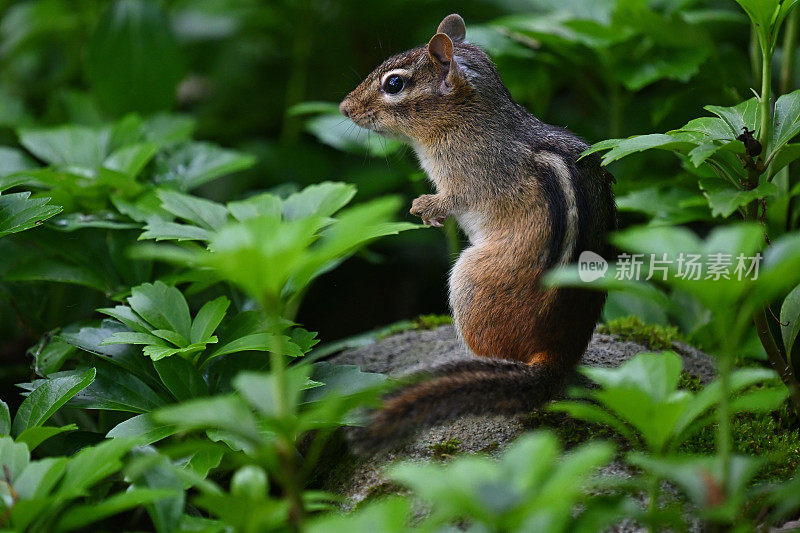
x=344 y=108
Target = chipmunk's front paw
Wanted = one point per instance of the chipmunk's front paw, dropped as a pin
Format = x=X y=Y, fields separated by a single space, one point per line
x=429 y=208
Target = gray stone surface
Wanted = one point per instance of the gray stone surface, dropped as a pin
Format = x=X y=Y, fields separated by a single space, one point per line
x=412 y=351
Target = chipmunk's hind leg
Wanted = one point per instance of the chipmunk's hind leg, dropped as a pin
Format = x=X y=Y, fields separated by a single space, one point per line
x=498 y=307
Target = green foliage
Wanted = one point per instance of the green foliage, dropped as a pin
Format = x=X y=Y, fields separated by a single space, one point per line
x=171 y=387
x=19 y=212
x=51 y=493
x=642 y=402
x=512 y=494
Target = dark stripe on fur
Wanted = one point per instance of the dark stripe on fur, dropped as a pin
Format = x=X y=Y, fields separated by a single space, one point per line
x=557 y=207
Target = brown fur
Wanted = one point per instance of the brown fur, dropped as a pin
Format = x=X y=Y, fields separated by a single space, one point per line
x=519 y=192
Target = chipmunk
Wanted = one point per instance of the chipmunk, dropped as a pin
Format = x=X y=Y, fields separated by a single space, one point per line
x=526 y=202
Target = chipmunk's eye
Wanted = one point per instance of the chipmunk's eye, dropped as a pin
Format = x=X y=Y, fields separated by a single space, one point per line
x=394 y=84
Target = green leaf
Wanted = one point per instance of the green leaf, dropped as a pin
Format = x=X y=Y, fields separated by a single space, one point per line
x=323 y=200
x=5 y=419
x=166 y=129
x=267 y=205
x=165 y=513
x=228 y=413
x=34 y=436
x=85 y=514
x=261 y=391
x=714 y=128
x=711 y=394
x=262 y=342
x=39 y=478
x=204 y=213
x=208 y=319
x=13 y=161
x=124 y=356
x=724 y=199
x=181 y=378
x=13 y=456
x=760 y=401
x=656 y=374
x=43 y=402
x=66 y=146
x=117 y=390
x=132 y=337
x=161 y=230
x=162 y=306
x=746 y=114
x=665 y=206
x=341 y=380
x=94 y=463
x=620 y=148
x=790 y=315
x=197 y=163
x=786 y=120
x=126 y=315
x=133 y=61
x=53 y=269
x=143 y=427
x=172 y=337
x=594 y=414
x=784 y=156
x=131 y=160
x=18 y=212
x=390 y=513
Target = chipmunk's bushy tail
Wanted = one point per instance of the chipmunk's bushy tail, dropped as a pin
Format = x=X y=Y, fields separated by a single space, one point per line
x=456 y=389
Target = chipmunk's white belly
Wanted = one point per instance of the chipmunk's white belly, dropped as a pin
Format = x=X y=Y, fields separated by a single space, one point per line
x=473 y=225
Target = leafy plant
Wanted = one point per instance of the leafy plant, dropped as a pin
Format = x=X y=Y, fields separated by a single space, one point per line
x=511 y=494
x=642 y=402
x=50 y=494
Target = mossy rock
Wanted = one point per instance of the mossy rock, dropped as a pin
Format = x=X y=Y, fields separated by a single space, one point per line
x=413 y=350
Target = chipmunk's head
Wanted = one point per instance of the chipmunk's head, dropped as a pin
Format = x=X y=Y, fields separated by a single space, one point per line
x=419 y=92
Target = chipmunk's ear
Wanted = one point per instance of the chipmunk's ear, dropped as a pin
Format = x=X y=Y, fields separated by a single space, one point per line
x=440 y=48
x=453 y=26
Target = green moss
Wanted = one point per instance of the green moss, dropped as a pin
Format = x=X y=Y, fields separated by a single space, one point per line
x=689 y=382
x=445 y=450
x=421 y=322
x=631 y=328
x=432 y=321
x=774 y=436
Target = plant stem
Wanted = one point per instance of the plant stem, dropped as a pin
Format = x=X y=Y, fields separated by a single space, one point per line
x=789 y=46
x=766 y=90
x=290 y=472
x=779 y=364
x=652 y=505
x=298 y=75
x=755 y=53
x=724 y=417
